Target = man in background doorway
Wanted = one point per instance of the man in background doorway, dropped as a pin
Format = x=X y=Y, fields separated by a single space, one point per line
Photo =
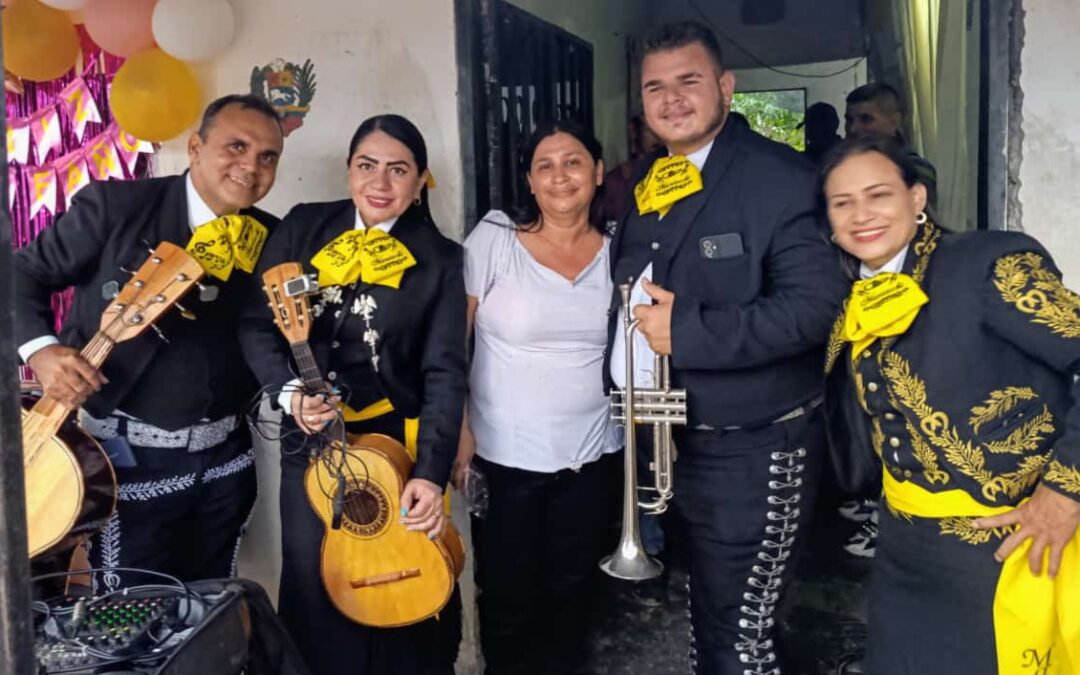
x=618 y=188
x=821 y=124
x=875 y=108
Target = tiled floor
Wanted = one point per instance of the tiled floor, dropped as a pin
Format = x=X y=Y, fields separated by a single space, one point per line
x=644 y=632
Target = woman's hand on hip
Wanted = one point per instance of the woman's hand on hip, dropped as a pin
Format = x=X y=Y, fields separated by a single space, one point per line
x=1049 y=518
x=422 y=507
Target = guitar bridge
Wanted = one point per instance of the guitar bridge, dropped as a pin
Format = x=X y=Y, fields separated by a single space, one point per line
x=387 y=578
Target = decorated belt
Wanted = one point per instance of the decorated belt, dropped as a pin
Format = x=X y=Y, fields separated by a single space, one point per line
x=194 y=438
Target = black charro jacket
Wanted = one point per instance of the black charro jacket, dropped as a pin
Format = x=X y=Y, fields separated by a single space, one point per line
x=978 y=394
x=420 y=328
x=200 y=373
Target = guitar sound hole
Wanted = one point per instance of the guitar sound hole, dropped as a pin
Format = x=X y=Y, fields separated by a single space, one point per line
x=362 y=508
x=366 y=509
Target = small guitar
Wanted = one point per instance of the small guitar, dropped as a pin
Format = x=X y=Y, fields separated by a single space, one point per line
x=375 y=571
x=70 y=484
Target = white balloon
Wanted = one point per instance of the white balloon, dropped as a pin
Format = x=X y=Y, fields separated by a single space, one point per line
x=66 y=5
x=193 y=30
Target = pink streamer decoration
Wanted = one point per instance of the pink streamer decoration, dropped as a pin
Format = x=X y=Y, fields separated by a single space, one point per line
x=42 y=95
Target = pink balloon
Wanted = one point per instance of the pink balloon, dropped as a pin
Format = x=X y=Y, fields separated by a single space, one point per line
x=120 y=27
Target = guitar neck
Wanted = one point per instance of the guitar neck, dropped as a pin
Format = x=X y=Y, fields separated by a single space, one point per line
x=50 y=413
x=309 y=370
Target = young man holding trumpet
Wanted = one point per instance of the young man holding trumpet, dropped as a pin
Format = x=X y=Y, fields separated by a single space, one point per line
x=733 y=282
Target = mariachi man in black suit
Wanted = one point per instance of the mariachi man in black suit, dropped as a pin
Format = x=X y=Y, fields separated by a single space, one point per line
x=725 y=241
x=169 y=414
x=391 y=339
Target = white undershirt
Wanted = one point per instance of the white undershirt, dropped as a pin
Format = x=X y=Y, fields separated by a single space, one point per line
x=198 y=213
x=285 y=397
x=644 y=356
x=895 y=265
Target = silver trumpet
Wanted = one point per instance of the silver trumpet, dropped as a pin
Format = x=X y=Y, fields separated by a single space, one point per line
x=661 y=407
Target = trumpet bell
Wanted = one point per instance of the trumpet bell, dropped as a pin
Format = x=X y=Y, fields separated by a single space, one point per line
x=631 y=563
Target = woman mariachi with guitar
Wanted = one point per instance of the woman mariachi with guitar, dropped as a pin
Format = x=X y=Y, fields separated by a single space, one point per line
x=388 y=335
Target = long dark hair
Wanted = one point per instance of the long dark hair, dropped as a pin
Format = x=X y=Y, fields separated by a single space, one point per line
x=526 y=215
x=860 y=145
x=405 y=132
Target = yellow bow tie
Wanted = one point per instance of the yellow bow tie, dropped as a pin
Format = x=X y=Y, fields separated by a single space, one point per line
x=669 y=180
x=373 y=256
x=227 y=242
x=884 y=305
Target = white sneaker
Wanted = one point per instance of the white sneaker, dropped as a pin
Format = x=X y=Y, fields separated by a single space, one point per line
x=864 y=541
x=858 y=510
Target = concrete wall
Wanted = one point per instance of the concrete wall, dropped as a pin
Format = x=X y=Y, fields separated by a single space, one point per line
x=369 y=58
x=605 y=24
x=1050 y=168
x=832 y=90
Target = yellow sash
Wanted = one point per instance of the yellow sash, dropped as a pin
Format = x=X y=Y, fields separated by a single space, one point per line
x=373 y=256
x=1036 y=619
x=412 y=430
x=227 y=242
x=669 y=180
x=881 y=306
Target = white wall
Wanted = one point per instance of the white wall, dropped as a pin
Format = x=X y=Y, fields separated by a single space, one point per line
x=369 y=58
x=833 y=90
x=1050 y=168
x=605 y=24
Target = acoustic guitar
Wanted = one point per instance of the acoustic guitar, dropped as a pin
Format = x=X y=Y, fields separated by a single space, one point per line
x=375 y=571
x=70 y=484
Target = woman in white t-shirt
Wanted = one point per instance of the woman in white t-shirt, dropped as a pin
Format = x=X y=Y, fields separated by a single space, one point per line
x=539 y=288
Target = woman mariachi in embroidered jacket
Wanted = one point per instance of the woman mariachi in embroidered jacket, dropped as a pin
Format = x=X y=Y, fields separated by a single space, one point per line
x=954 y=361
x=389 y=326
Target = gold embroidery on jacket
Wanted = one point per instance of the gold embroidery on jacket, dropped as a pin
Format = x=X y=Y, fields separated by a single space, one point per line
x=877 y=436
x=964 y=455
x=999 y=403
x=1065 y=477
x=1027 y=437
x=927 y=458
x=1022 y=281
x=836 y=343
x=965 y=529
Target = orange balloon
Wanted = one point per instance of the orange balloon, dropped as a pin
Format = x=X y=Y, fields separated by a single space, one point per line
x=154 y=96
x=40 y=43
x=120 y=27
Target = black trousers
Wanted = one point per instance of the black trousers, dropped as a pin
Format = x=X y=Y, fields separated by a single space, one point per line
x=179 y=512
x=537 y=555
x=330 y=643
x=743 y=497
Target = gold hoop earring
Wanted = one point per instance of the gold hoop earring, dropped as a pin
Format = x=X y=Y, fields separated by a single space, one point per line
x=832 y=237
x=921 y=218
x=418 y=201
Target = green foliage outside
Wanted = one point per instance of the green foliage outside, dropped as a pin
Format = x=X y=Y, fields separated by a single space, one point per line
x=774 y=114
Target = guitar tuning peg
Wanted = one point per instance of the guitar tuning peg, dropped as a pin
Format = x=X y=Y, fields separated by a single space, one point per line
x=185 y=312
x=160 y=333
x=124 y=269
x=207 y=292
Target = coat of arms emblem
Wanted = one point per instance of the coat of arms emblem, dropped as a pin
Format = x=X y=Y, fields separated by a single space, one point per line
x=288 y=87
